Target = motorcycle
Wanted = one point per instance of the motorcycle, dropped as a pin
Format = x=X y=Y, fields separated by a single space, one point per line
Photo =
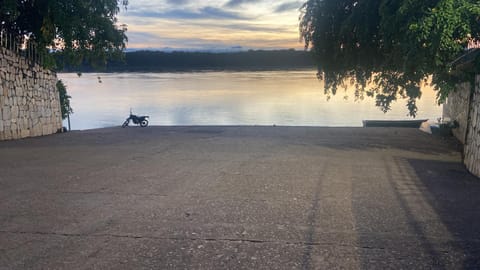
x=137 y=120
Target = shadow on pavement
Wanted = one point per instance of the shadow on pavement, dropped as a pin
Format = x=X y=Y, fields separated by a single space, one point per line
x=408 y=140
x=454 y=194
x=418 y=214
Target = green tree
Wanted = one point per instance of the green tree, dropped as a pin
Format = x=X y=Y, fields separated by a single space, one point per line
x=64 y=99
x=84 y=30
x=395 y=44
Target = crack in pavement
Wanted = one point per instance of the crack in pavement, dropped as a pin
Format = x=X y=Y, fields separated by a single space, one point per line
x=235 y=240
x=113 y=193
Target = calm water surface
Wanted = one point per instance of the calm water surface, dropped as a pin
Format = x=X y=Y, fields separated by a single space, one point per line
x=293 y=98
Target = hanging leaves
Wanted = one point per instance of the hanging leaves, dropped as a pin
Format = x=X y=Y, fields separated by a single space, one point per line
x=396 y=44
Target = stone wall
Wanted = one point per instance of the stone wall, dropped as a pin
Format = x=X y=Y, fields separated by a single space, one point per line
x=29 y=100
x=456 y=109
x=464 y=107
x=472 y=146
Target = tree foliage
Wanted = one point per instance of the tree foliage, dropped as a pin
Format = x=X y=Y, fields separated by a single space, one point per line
x=64 y=99
x=388 y=48
x=85 y=30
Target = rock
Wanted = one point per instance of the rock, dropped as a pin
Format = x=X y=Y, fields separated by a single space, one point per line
x=6 y=113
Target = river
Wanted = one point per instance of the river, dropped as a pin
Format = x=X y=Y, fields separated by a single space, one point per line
x=291 y=98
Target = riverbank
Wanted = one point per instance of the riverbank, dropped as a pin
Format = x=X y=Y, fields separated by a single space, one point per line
x=237 y=197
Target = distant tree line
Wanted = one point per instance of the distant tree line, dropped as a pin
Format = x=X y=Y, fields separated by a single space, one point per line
x=157 y=61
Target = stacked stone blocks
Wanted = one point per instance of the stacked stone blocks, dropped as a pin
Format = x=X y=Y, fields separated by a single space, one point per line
x=457 y=108
x=29 y=100
x=464 y=107
x=472 y=146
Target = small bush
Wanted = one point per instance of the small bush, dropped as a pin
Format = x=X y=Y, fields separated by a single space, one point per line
x=64 y=99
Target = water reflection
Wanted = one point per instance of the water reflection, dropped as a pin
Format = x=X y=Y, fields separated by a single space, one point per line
x=222 y=98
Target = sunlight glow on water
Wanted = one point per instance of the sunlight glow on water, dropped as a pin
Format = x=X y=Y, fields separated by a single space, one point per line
x=292 y=98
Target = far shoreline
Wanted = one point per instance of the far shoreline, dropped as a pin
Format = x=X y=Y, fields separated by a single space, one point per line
x=206 y=70
x=178 y=61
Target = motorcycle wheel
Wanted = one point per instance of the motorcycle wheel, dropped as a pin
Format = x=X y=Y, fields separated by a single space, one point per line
x=144 y=123
x=125 y=124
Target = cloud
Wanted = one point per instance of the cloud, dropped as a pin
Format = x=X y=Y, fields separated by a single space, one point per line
x=213 y=12
x=212 y=23
x=236 y=3
x=253 y=28
x=142 y=37
x=185 y=14
x=177 y=2
x=288 y=6
x=162 y=41
x=171 y=14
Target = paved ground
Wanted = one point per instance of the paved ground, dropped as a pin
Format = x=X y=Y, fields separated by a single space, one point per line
x=237 y=198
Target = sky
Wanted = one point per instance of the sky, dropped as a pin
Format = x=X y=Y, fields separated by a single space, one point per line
x=212 y=24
